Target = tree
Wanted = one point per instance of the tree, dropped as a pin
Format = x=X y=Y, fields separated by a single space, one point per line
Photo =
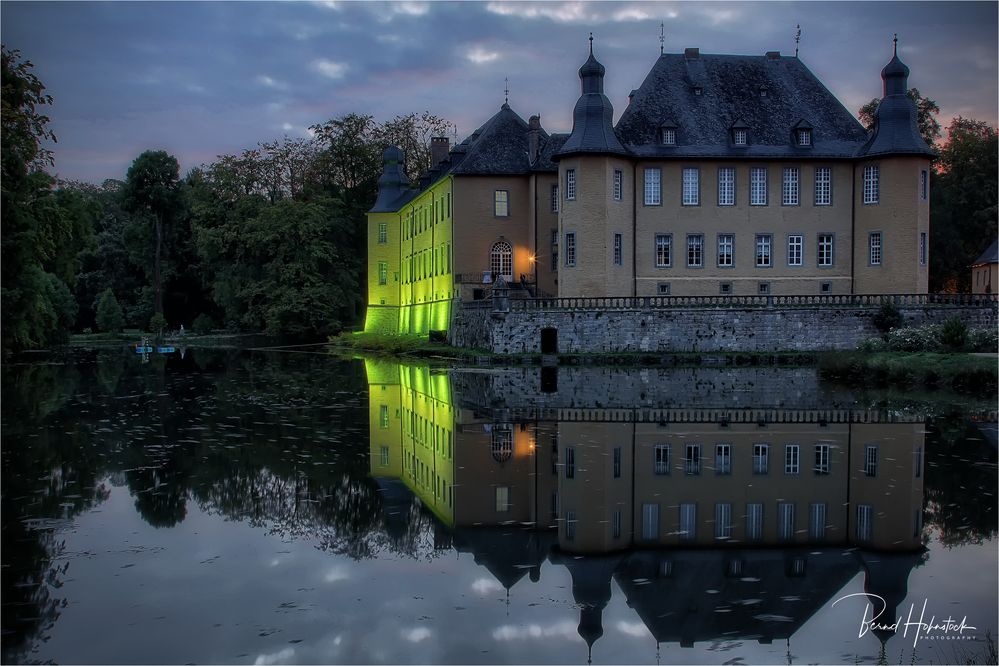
x=926 y=111
x=110 y=318
x=152 y=189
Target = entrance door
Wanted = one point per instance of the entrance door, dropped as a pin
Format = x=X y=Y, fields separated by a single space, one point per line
x=549 y=341
x=501 y=261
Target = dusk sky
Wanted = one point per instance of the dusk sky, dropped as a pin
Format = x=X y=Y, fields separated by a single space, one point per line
x=201 y=79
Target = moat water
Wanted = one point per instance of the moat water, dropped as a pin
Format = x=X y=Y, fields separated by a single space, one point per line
x=266 y=508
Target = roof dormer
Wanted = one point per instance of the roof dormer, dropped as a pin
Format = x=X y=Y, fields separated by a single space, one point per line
x=801 y=134
x=666 y=135
x=739 y=134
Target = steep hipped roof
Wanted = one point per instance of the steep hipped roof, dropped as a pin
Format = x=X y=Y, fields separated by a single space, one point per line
x=547 y=151
x=499 y=147
x=593 y=116
x=704 y=95
x=896 y=131
x=990 y=256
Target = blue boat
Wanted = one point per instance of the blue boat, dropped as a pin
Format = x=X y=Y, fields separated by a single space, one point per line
x=143 y=350
x=165 y=350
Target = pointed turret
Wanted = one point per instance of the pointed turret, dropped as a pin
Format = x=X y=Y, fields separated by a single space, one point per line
x=896 y=128
x=593 y=117
x=393 y=183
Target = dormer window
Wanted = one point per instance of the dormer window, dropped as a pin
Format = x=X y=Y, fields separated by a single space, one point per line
x=667 y=136
x=804 y=137
x=763 y=92
x=697 y=90
x=740 y=137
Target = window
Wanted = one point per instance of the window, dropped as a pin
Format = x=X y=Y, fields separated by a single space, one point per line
x=688 y=522
x=924 y=184
x=825 y=256
x=785 y=521
x=870 y=460
x=723 y=459
x=754 y=522
x=661 y=459
x=804 y=137
x=791 y=459
x=761 y=458
x=502 y=499
x=695 y=251
x=382 y=272
x=555 y=198
x=874 y=243
x=763 y=288
x=692 y=459
x=501 y=203
x=570 y=462
x=764 y=243
x=501 y=260
x=570 y=525
x=821 y=458
x=864 y=522
x=501 y=445
x=383 y=417
x=790 y=187
x=618 y=259
x=740 y=137
x=664 y=250
x=570 y=249
x=617 y=462
x=617 y=524
x=823 y=186
x=570 y=184
x=922 y=248
x=795 y=245
x=726 y=186
x=382 y=233
x=653 y=186
x=662 y=288
x=668 y=136
x=825 y=287
x=618 y=184
x=725 y=288
x=917 y=522
x=691 y=187
x=650 y=521
x=758 y=186
x=817 y=521
x=871 y=184
x=383 y=454
x=723 y=521
x=726 y=249
x=554 y=250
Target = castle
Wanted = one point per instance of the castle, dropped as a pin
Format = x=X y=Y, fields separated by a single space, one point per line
x=724 y=176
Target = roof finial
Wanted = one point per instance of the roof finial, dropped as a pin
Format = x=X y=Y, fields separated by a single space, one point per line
x=506 y=90
x=895 y=52
x=662 y=37
x=591 y=43
x=797 y=40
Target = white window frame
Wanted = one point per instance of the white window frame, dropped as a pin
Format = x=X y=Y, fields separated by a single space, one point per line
x=740 y=137
x=653 y=186
x=570 y=184
x=501 y=203
x=726 y=250
x=872 y=184
x=661 y=459
x=817 y=521
x=804 y=137
x=692 y=459
x=795 y=250
x=618 y=250
x=723 y=520
x=864 y=523
x=922 y=248
x=754 y=521
x=555 y=200
x=875 y=245
x=871 y=460
x=823 y=186
x=791 y=192
x=668 y=136
x=570 y=249
x=758 y=186
x=664 y=250
x=726 y=186
x=650 y=522
x=785 y=521
x=723 y=459
x=382 y=233
x=822 y=466
x=761 y=458
x=924 y=184
x=695 y=250
x=691 y=187
x=618 y=184
x=688 y=521
x=825 y=255
x=382 y=273
x=792 y=459
x=764 y=250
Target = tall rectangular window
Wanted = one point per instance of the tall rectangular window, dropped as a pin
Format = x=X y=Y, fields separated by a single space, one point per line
x=723 y=459
x=570 y=248
x=865 y=522
x=502 y=499
x=617 y=462
x=383 y=454
x=382 y=272
x=618 y=258
x=758 y=186
x=617 y=524
x=924 y=184
x=691 y=187
x=795 y=250
x=726 y=250
x=570 y=184
x=695 y=250
x=554 y=250
x=821 y=458
x=726 y=186
x=823 y=186
x=785 y=521
x=692 y=459
x=555 y=198
x=383 y=417
x=761 y=458
x=661 y=459
x=650 y=521
x=723 y=521
x=382 y=233
x=754 y=522
x=825 y=255
x=764 y=246
x=570 y=525
x=688 y=522
x=790 y=187
x=874 y=244
x=870 y=460
x=653 y=186
x=669 y=136
x=664 y=250
x=618 y=185
x=804 y=137
x=570 y=462
x=740 y=137
x=817 y=521
x=922 y=248
x=501 y=203
x=872 y=185
x=791 y=459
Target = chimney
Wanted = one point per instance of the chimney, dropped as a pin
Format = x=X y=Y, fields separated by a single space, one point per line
x=533 y=137
x=439 y=148
x=773 y=55
x=692 y=54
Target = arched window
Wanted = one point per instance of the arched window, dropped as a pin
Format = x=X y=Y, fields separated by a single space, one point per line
x=501 y=261
x=502 y=444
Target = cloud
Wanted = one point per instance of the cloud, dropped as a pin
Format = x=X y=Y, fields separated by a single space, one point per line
x=478 y=55
x=562 y=12
x=269 y=82
x=411 y=8
x=329 y=4
x=335 y=574
x=416 y=634
x=631 y=14
x=330 y=69
x=636 y=629
x=282 y=657
x=486 y=585
x=564 y=629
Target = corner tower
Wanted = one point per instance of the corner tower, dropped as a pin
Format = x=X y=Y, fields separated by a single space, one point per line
x=892 y=181
x=596 y=230
x=384 y=237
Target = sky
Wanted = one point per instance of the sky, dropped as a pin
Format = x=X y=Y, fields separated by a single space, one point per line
x=203 y=79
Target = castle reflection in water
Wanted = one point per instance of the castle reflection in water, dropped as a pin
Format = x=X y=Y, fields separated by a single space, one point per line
x=717 y=519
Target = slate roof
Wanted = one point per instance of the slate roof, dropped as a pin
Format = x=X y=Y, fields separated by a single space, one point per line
x=593 y=116
x=499 y=147
x=990 y=256
x=730 y=88
x=896 y=131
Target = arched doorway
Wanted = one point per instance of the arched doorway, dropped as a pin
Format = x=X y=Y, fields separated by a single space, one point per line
x=501 y=261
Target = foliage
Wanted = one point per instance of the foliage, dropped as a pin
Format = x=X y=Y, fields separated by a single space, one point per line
x=926 y=111
x=953 y=334
x=157 y=323
x=110 y=318
x=203 y=324
x=960 y=372
x=888 y=317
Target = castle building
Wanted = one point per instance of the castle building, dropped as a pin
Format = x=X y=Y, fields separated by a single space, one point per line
x=724 y=176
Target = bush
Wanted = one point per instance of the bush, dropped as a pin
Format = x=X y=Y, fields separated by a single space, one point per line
x=888 y=317
x=913 y=339
x=157 y=323
x=203 y=324
x=983 y=340
x=953 y=334
x=110 y=318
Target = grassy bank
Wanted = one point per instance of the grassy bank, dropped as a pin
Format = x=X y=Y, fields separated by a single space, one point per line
x=131 y=338
x=380 y=344
x=958 y=372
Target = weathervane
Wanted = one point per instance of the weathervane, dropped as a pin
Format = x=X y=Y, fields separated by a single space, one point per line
x=662 y=37
x=797 y=40
x=896 y=44
x=591 y=43
x=506 y=90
